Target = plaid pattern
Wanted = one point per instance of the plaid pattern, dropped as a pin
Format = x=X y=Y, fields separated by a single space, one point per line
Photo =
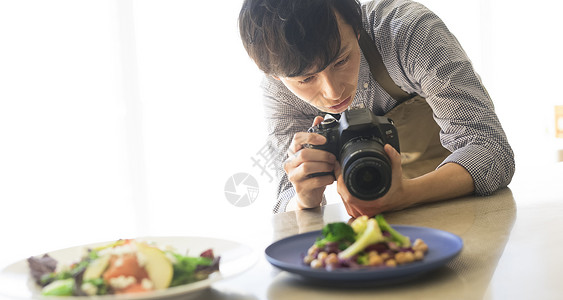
x=422 y=57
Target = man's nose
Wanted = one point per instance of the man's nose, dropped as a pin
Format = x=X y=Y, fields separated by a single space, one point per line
x=332 y=89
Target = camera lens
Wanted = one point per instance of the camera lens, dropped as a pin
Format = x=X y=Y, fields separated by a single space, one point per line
x=367 y=177
x=366 y=169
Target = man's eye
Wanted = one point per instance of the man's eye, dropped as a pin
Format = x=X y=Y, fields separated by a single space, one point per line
x=342 y=62
x=307 y=80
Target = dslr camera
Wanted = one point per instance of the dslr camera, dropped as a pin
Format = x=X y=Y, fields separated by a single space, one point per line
x=357 y=141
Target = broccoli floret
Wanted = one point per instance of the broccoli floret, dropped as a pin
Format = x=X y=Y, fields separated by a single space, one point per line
x=336 y=232
x=360 y=224
x=401 y=240
x=371 y=235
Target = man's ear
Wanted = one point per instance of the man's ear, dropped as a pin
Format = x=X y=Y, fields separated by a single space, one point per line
x=275 y=77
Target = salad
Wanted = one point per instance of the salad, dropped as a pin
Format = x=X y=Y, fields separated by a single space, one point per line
x=366 y=242
x=122 y=267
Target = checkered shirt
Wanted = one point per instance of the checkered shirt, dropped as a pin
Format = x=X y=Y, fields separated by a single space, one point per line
x=422 y=56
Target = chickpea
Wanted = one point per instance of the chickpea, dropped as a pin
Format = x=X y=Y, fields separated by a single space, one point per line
x=419 y=245
x=385 y=256
x=391 y=263
x=316 y=264
x=418 y=255
x=404 y=257
x=372 y=253
x=409 y=257
x=331 y=259
x=312 y=250
x=322 y=256
x=375 y=260
x=400 y=258
x=308 y=259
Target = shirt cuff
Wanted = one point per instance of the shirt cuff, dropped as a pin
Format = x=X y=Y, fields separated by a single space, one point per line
x=286 y=196
x=283 y=199
x=489 y=173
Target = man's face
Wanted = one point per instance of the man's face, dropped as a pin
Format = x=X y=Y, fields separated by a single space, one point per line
x=332 y=89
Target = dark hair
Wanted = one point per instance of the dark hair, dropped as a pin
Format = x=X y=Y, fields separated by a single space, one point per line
x=287 y=38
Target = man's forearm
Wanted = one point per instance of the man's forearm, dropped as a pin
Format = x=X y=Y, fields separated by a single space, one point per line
x=449 y=181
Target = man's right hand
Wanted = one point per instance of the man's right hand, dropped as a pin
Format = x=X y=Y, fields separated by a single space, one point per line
x=301 y=165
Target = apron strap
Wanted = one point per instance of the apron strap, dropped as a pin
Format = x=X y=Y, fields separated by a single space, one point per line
x=419 y=135
x=378 y=70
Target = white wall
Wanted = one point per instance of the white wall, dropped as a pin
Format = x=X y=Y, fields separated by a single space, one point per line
x=122 y=118
x=515 y=48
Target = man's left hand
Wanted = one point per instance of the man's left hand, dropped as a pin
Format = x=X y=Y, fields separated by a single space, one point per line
x=392 y=200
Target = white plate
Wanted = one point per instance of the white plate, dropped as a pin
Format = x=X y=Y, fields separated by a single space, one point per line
x=16 y=281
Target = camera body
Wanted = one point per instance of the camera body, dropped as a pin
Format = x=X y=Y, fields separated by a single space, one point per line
x=357 y=141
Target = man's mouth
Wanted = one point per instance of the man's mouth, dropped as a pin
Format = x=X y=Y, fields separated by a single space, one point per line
x=341 y=104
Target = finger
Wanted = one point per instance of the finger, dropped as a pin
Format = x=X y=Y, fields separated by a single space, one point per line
x=296 y=143
x=308 y=170
x=309 y=155
x=345 y=196
x=357 y=213
x=304 y=183
x=303 y=138
x=395 y=157
x=317 y=120
x=299 y=168
x=316 y=155
x=337 y=169
x=311 y=183
x=351 y=210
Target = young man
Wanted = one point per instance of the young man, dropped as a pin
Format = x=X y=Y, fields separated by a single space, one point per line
x=319 y=57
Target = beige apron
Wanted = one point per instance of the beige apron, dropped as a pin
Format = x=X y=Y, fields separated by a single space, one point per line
x=419 y=135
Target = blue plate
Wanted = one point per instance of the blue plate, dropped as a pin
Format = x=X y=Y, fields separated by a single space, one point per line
x=287 y=254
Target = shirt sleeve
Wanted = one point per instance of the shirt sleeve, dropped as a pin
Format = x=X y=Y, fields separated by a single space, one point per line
x=285 y=115
x=439 y=70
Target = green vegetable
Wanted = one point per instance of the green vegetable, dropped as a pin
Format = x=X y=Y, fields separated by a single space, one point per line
x=101 y=286
x=401 y=240
x=360 y=224
x=336 y=232
x=363 y=259
x=92 y=254
x=371 y=235
x=51 y=277
x=61 y=287
x=185 y=267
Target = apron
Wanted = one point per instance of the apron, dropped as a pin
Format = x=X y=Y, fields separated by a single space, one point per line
x=419 y=135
